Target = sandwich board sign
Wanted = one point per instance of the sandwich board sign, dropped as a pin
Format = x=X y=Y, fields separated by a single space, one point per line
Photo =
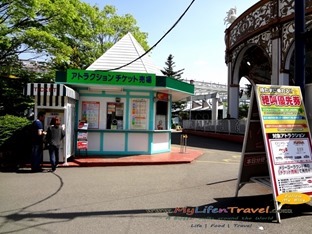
x=280 y=114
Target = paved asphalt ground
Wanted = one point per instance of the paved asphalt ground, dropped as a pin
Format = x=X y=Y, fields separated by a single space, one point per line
x=145 y=199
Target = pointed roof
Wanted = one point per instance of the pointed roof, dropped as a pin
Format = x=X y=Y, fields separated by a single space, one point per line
x=124 y=51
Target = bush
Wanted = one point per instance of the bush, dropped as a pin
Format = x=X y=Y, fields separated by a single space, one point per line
x=15 y=140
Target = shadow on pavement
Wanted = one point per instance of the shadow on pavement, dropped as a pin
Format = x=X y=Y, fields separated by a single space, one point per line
x=258 y=208
x=206 y=143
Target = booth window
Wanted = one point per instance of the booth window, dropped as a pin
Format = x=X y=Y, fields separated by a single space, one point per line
x=114 y=117
x=161 y=115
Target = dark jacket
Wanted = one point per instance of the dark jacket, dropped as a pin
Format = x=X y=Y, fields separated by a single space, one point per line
x=55 y=136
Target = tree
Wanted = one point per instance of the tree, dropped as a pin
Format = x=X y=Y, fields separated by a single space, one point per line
x=102 y=29
x=168 y=71
x=63 y=33
x=67 y=33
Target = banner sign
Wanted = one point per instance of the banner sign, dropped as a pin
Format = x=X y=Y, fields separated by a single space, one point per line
x=287 y=138
x=110 y=78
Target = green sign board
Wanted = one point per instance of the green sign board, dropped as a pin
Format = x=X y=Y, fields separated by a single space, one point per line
x=110 y=78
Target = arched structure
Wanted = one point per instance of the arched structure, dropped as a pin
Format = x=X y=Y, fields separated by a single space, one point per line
x=260 y=47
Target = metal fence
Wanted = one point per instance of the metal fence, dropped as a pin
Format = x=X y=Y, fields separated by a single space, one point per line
x=229 y=126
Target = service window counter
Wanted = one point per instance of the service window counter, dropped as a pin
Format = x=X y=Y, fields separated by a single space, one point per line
x=115 y=115
x=56 y=100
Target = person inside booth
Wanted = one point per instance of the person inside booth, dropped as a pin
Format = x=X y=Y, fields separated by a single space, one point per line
x=161 y=117
x=159 y=125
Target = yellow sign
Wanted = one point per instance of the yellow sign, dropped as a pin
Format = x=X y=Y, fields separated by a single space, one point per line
x=293 y=198
x=287 y=139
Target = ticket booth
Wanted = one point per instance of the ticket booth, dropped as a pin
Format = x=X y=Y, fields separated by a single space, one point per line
x=127 y=113
x=56 y=100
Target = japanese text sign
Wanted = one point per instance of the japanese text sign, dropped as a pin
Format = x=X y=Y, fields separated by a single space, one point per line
x=110 y=78
x=287 y=138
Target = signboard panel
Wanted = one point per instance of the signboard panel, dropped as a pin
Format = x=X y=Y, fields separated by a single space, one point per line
x=139 y=113
x=82 y=136
x=287 y=138
x=82 y=145
x=277 y=116
x=90 y=113
x=110 y=78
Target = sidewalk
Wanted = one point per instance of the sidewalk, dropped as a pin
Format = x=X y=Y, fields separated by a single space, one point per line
x=173 y=157
x=198 y=145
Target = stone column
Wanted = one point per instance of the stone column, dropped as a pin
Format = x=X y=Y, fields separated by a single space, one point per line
x=283 y=79
x=276 y=63
x=214 y=108
x=233 y=100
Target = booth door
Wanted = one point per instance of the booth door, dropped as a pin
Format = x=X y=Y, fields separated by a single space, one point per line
x=49 y=116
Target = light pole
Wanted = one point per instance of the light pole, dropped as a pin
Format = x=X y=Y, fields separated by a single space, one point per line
x=300 y=45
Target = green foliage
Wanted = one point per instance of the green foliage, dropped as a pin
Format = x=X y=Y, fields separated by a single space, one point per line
x=15 y=141
x=12 y=99
x=64 y=34
x=10 y=129
x=168 y=71
x=69 y=33
x=243 y=111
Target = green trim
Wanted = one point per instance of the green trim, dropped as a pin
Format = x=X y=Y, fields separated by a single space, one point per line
x=171 y=83
x=85 y=77
x=107 y=78
x=60 y=76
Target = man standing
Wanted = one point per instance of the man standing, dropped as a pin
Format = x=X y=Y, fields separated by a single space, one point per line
x=37 y=142
x=54 y=138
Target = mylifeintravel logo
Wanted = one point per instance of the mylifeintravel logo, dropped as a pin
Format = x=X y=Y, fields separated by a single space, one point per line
x=227 y=210
x=189 y=211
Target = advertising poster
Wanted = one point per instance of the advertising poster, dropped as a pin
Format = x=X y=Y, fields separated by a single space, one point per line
x=287 y=138
x=82 y=145
x=90 y=114
x=82 y=136
x=138 y=114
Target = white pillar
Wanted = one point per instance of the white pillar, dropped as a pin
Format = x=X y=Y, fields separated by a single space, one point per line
x=233 y=92
x=214 y=109
x=233 y=101
x=276 y=64
x=283 y=79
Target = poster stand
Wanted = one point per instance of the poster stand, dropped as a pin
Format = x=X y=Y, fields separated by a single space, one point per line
x=277 y=145
x=82 y=137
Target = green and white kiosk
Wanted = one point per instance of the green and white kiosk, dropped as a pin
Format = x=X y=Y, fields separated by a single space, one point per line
x=110 y=111
x=126 y=113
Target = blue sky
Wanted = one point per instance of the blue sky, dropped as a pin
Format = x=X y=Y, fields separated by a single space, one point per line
x=197 y=41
